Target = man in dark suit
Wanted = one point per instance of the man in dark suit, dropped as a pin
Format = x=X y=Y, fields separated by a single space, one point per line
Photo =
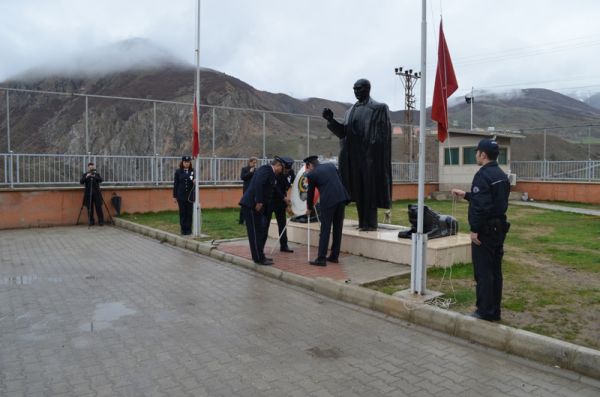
x=246 y=176
x=333 y=198
x=279 y=202
x=254 y=203
x=92 y=197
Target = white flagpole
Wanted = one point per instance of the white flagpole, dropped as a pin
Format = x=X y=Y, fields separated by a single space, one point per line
x=197 y=211
x=418 y=268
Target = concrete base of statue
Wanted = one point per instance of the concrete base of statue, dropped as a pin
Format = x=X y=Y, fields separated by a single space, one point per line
x=384 y=243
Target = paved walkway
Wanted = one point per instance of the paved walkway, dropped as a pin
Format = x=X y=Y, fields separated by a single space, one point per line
x=555 y=207
x=105 y=312
x=351 y=268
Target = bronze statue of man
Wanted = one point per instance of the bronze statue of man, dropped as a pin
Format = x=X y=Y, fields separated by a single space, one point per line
x=365 y=160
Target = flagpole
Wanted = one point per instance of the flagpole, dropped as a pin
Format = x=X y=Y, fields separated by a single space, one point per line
x=197 y=211
x=418 y=268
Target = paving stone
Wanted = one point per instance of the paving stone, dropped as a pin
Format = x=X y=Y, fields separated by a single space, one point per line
x=108 y=312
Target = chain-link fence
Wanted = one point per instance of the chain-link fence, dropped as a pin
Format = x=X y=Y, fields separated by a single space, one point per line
x=50 y=136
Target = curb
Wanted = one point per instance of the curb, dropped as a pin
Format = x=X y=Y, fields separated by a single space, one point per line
x=554 y=352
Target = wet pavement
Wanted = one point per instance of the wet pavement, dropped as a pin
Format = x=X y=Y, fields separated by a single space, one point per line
x=106 y=312
x=351 y=268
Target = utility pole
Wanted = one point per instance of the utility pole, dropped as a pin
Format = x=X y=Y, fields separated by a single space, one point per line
x=409 y=80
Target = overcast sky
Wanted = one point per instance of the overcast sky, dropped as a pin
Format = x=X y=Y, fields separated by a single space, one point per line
x=318 y=48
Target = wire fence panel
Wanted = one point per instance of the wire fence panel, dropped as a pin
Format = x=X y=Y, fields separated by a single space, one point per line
x=557 y=170
x=18 y=169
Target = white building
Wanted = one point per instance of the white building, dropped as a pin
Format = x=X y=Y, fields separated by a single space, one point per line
x=457 y=162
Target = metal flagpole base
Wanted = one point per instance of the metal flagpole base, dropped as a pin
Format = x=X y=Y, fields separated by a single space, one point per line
x=418 y=264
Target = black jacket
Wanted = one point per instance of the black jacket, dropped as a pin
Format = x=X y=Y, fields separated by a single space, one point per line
x=261 y=187
x=327 y=179
x=246 y=176
x=488 y=198
x=93 y=183
x=183 y=186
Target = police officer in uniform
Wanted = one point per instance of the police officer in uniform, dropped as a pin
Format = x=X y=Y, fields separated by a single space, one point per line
x=279 y=202
x=488 y=202
x=92 y=197
x=333 y=199
x=184 y=194
x=254 y=203
x=246 y=176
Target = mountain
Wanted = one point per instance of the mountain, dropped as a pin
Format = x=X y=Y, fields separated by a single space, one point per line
x=527 y=110
x=594 y=101
x=44 y=123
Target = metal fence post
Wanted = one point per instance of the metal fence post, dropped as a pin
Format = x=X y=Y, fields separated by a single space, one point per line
x=10 y=169
x=307 y=136
x=213 y=131
x=17 y=172
x=8 y=120
x=154 y=127
x=87 y=127
x=264 y=129
x=157 y=168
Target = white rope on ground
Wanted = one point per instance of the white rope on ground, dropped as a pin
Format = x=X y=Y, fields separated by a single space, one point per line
x=445 y=303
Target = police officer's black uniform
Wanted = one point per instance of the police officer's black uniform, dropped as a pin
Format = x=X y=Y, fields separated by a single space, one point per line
x=333 y=198
x=184 y=192
x=246 y=176
x=259 y=191
x=488 y=202
x=92 y=197
x=278 y=205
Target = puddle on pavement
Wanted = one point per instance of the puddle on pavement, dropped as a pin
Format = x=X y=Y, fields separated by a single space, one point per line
x=27 y=279
x=105 y=314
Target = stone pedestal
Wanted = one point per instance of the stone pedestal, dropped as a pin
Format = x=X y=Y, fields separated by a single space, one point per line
x=384 y=244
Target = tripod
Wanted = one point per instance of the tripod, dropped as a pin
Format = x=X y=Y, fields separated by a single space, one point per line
x=89 y=204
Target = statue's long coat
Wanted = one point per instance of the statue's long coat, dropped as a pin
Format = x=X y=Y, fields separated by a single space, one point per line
x=365 y=160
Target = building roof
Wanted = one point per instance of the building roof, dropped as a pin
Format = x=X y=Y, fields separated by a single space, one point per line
x=487 y=133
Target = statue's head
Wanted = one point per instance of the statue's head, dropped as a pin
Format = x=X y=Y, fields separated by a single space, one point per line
x=362 y=88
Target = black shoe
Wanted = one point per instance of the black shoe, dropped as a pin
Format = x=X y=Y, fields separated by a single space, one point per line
x=332 y=260
x=368 y=229
x=286 y=249
x=101 y=224
x=265 y=262
x=318 y=262
x=91 y=224
x=478 y=316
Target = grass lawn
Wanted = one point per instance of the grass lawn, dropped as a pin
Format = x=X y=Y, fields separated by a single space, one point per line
x=551 y=266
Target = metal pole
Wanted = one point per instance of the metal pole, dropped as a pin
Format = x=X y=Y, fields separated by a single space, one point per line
x=307 y=136
x=264 y=129
x=214 y=123
x=154 y=128
x=197 y=219
x=472 y=100
x=544 y=164
x=8 y=121
x=419 y=275
x=87 y=127
x=589 y=168
x=10 y=169
x=154 y=161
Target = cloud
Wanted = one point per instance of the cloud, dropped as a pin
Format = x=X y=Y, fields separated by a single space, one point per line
x=319 y=48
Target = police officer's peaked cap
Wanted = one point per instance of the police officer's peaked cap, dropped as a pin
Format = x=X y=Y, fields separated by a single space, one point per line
x=288 y=162
x=488 y=146
x=310 y=158
x=186 y=158
x=280 y=159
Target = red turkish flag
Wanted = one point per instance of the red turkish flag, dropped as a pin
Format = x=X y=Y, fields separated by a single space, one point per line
x=195 y=132
x=445 y=85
